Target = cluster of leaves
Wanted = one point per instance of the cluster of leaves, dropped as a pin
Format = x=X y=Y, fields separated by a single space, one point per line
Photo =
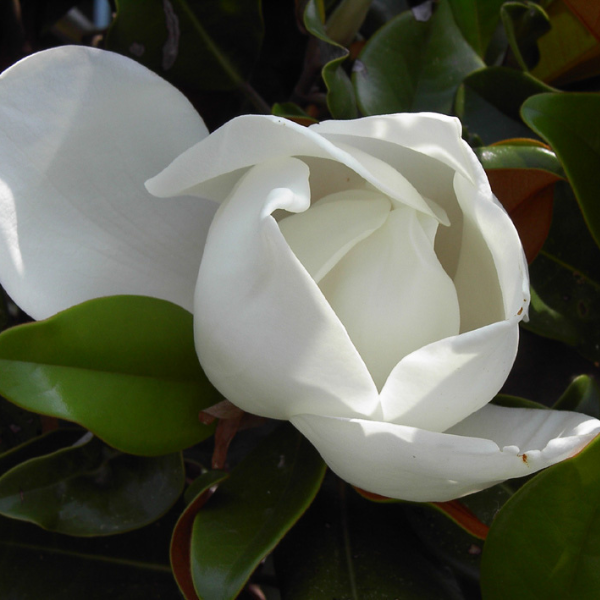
x=79 y=464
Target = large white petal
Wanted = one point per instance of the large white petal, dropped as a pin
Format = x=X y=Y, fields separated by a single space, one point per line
x=266 y=336
x=252 y=139
x=440 y=384
x=391 y=293
x=432 y=135
x=422 y=466
x=322 y=235
x=491 y=278
x=80 y=131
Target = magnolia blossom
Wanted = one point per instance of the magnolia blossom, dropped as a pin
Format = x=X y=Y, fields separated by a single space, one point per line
x=358 y=278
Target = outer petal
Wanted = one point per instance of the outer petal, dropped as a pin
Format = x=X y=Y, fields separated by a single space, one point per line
x=252 y=139
x=80 y=131
x=266 y=336
x=440 y=384
x=491 y=278
x=421 y=466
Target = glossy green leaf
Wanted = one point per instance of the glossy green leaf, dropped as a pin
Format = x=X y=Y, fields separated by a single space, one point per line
x=124 y=367
x=348 y=547
x=206 y=44
x=544 y=542
x=16 y=425
x=519 y=156
x=516 y=402
x=414 y=66
x=181 y=543
x=524 y=23
x=39 y=446
x=570 y=51
x=91 y=489
x=565 y=280
x=289 y=110
x=569 y=123
x=251 y=511
x=38 y=564
x=341 y=100
x=506 y=89
x=445 y=540
x=583 y=395
x=477 y=19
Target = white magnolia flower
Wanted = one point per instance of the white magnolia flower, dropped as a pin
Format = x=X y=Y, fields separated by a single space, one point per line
x=359 y=278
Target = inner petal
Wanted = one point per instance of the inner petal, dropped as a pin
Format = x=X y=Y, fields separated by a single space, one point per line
x=392 y=294
x=322 y=235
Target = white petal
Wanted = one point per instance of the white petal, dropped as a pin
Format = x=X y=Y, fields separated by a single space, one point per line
x=491 y=277
x=440 y=384
x=432 y=135
x=265 y=335
x=252 y=139
x=391 y=293
x=421 y=466
x=80 y=131
x=322 y=235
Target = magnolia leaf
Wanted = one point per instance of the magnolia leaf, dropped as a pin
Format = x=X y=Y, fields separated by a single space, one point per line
x=570 y=50
x=543 y=542
x=251 y=511
x=204 y=44
x=569 y=123
x=450 y=544
x=123 y=367
x=182 y=534
x=91 y=489
x=583 y=395
x=565 y=280
x=348 y=547
x=588 y=13
x=477 y=19
x=291 y=111
x=505 y=89
x=414 y=66
x=524 y=23
x=340 y=94
x=39 y=564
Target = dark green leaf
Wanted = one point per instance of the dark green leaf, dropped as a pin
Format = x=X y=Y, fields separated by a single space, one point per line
x=516 y=402
x=39 y=446
x=583 y=395
x=16 y=425
x=569 y=123
x=37 y=564
x=447 y=541
x=414 y=66
x=195 y=497
x=565 y=280
x=519 y=156
x=348 y=547
x=525 y=23
x=251 y=511
x=544 y=542
x=289 y=110
x=91 y=489
x=477 y=19
x=206 y=44
x=506 y=89
x=340 y=94
x=124 y=367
